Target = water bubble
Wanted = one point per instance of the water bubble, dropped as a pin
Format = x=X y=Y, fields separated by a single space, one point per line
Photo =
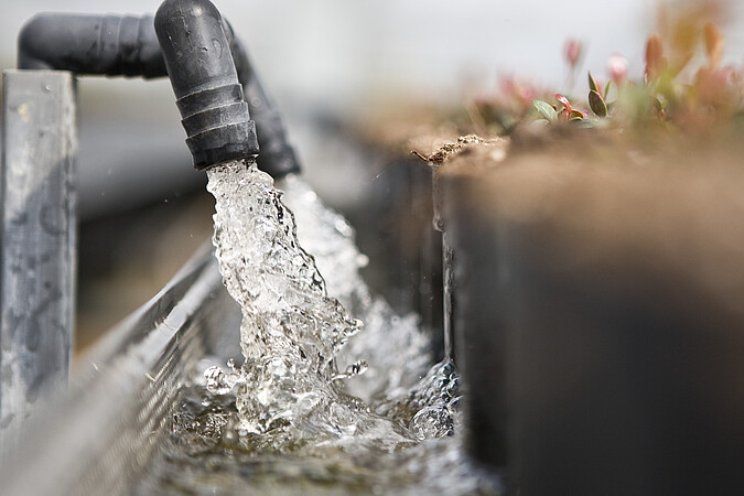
x=431 y=423
x=216 y=380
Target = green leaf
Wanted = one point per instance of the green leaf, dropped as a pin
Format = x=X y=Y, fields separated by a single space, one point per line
x=597 y=104
x=545 y=110
x=593 y=84
x=607 y=88
x=657 y=103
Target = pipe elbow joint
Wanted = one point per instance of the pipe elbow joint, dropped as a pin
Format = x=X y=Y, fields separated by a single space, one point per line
x=31 y=47
x=194 y=43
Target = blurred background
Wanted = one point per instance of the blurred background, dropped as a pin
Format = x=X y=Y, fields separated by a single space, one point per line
x=327 y=63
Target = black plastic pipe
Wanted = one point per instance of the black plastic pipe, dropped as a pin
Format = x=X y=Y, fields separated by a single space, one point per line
x=202 y=72
x=128 y=46
x=277 y=156
x=87 y=44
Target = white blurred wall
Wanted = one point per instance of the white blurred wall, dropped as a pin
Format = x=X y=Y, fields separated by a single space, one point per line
x=336 y=54
x=338 y=50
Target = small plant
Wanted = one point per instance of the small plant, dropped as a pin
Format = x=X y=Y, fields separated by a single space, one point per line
x=684 y=86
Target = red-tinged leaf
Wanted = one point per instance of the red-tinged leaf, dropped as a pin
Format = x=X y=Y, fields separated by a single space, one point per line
x=577 y=114
x=713 y=43
x=654 y=57
x=572 y=52
x=597 y=104
x=563 y=100
x=617 y=67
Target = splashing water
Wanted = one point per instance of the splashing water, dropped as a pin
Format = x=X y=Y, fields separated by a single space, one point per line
x=289 y=398
x=291 y=329
x=208 y=456
x=393 y=348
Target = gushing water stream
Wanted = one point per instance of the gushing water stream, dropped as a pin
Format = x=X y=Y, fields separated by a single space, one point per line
x=291 y=329
x=394 y=350
x=344 y=399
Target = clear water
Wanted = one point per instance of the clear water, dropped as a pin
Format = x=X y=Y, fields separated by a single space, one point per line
x=327 y=401
x=393 y=348
x=208 y=454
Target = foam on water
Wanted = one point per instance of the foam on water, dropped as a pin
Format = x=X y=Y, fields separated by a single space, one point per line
x=207 y=455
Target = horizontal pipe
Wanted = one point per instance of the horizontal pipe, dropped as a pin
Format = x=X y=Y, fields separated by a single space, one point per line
x=107 y=45
x=128 y=46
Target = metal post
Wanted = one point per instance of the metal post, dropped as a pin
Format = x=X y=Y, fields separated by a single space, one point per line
x=38 y=204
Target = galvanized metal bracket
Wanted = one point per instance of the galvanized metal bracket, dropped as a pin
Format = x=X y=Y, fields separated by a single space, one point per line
x=37 y=255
